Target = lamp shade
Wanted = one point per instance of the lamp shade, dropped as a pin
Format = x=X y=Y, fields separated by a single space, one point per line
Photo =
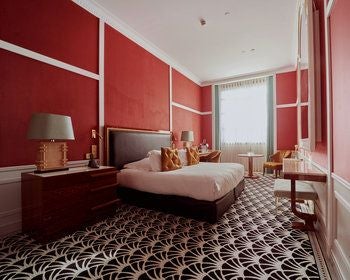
x=187 y=136
x=45 y=126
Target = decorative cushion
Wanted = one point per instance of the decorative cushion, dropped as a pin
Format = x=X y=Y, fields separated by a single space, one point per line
x=192 y=155
x=170 y=159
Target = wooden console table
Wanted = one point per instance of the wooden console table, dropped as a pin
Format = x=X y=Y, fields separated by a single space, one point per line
x=301 y=170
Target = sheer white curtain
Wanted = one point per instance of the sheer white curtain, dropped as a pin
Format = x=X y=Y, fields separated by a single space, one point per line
x=243 y=120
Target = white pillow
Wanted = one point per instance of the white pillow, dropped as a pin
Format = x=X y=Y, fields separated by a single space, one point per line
x=143 y=164
x=155 y=160
x=183 y=156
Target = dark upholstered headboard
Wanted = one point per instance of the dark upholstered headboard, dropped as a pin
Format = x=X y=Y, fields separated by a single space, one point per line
x=127 y=145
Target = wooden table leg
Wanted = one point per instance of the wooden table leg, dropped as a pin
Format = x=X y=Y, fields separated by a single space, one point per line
x=250 y=166
x=308 y=218
x=250 y=169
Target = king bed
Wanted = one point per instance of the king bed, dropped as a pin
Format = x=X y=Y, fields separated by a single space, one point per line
x=204 y=191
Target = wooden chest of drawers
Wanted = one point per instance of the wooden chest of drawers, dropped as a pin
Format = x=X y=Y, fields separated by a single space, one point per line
x=57 y=203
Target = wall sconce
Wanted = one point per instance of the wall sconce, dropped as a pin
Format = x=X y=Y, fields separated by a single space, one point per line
x=187 y=137
x=52 y=156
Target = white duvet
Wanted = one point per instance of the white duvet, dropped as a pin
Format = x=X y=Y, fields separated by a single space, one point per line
x=204 y=181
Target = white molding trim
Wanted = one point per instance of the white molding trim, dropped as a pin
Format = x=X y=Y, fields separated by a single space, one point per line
x=290 y=105
x=45 y=59
x=343 y=259
x=304 y=103
x=329 y=8
x=252 y=75
x=190 y=109
x=97 y=10
x=101 y=87
x=341 y=181
x=343 y=202
x=170 y=98
x=12 y=174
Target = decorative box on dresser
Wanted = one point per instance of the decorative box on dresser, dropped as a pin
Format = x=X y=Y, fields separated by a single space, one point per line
x=57 y=203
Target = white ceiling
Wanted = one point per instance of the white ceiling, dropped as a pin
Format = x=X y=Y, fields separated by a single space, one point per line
x=222 y=48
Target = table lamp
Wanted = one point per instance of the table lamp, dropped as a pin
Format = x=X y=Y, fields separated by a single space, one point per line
x=187 y=138
x=52 y=156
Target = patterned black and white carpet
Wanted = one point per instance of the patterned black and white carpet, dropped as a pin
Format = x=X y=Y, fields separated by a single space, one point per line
x=251 y=241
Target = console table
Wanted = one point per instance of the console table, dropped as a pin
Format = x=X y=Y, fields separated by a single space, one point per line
x=301 y=170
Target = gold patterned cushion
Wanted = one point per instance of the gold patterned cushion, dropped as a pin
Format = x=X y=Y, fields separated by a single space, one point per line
x=192 y=155
x=170 y=159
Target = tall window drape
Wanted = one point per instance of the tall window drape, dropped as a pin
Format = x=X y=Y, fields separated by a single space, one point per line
x=244 y=119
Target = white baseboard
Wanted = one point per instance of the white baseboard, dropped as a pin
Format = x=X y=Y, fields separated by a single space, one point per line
x=340 y=249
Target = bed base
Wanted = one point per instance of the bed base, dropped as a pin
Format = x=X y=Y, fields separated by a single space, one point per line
x=209 y=211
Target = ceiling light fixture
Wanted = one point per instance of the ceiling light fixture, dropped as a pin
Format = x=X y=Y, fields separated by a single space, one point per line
x=227 y=13
x=202 y=21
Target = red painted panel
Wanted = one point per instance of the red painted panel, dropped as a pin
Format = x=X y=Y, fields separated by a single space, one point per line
x=340 y=45
x=206 y=124
x=136 y=85
x=286 y=88
x=185 y=91
x=320 y=153
x=57 y=28
x=286 y=128
x=304 y=90
x=206 y=99
x=186 y=120
x=29 y=86
x=304 y=122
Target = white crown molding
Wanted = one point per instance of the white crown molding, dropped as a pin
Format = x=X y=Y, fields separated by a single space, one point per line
x=269 y=72
x=341 y=181
x=97 y=10
x=48 y=60
x=190 y=109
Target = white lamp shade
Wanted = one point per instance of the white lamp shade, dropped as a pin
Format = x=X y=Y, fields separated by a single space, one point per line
x=45 y=126
x=187 y=136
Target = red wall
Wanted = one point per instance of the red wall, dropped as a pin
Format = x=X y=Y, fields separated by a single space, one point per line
x=286 y=88
x=340 y=45
x=64 y=31
x=286 y=118
x=320 y=153
x=57 y=28
x=136 y=85
x=186 y=93
x=186 y=120
x=136 y=82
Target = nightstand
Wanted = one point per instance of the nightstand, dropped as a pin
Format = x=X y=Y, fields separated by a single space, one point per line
x=57 y=203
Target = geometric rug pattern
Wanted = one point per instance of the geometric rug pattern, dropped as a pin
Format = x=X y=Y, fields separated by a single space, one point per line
x=250 y=241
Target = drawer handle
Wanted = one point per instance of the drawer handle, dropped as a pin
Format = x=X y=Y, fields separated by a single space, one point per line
x=105 y=204
x=103 y=188
x=103 y=174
